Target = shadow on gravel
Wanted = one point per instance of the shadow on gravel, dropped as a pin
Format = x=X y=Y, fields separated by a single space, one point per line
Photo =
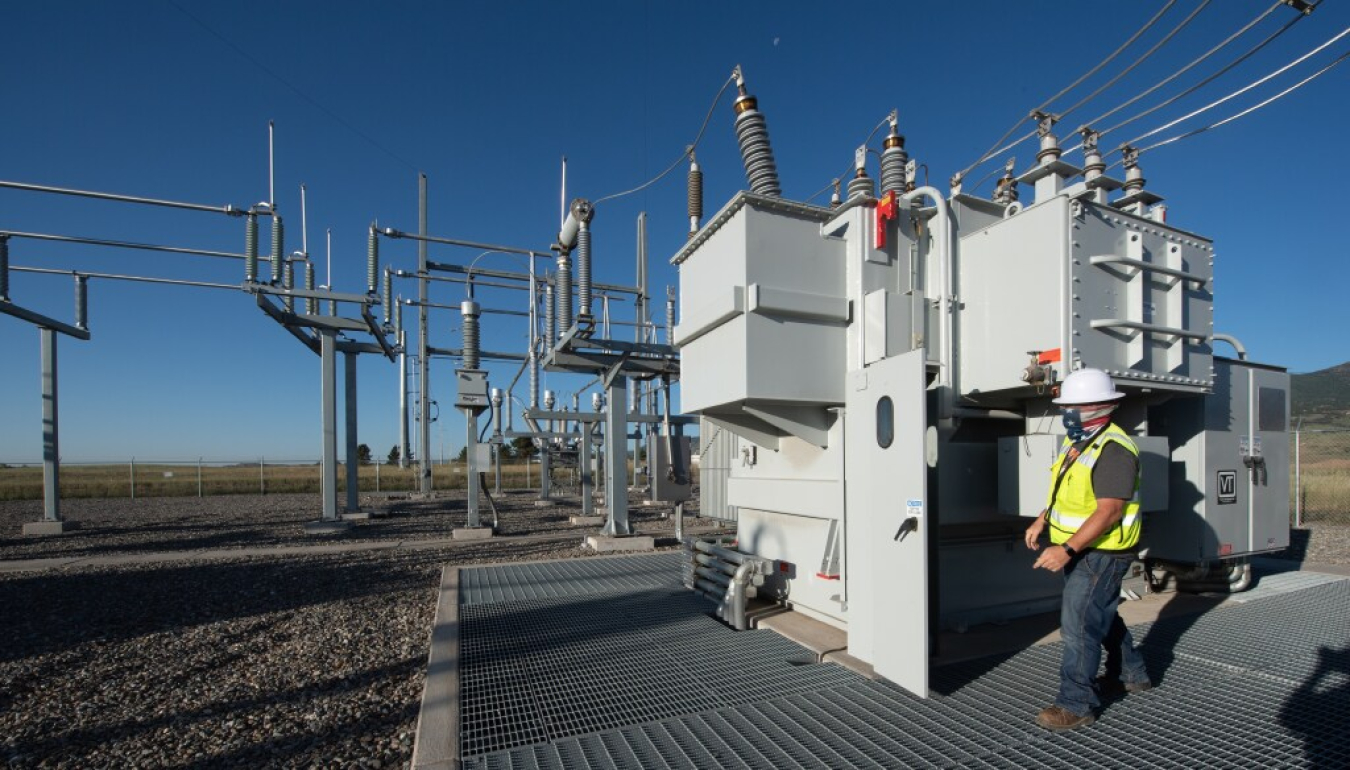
x=48 y=612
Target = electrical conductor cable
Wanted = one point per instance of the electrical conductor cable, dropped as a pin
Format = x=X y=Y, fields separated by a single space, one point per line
x=1207 y=80
x=684 y=155
x=1244 y=90
x=1000 y=150
x=1251 y=109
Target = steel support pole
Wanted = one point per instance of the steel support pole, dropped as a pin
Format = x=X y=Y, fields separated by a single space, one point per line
x=423 y=343
x=471 y=464
x=51 y=453
x=497 y=463
x=1298 y=478
x=353 y=462
x=328 y=375
x=616 y=453
x=403 y=445
x=587 y=473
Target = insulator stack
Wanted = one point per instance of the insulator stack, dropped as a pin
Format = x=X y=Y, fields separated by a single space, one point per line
x=82 y=302
x=752 y=134
x=563 y=299
x=584 y=269
x=548 y=316
x=373 y=262
x=893 y=162
x=4 y=268
x=311 y=304
x=278 y=247
x=861 y=185
x=251 y=248
x=497 y=400
x=288 y=283
x=469 y=310
x=388 y=299
x=695 y=195
x=398 y=324
x=534 y=380
x=670 y=316
x=549 y=400
x=835 y=199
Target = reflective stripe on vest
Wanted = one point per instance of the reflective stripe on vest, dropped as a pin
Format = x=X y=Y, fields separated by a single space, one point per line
x=1075 y=502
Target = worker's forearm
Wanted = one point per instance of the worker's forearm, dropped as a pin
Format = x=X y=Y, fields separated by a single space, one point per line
x=1109 y=511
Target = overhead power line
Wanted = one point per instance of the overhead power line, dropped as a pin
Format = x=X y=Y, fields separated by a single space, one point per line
x=1251 y=109
x=1135 y=141
x=1211 y=78
x=283 y=81
x=996 y=150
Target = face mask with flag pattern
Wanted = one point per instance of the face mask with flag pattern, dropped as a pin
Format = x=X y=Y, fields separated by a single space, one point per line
x=1083 y=421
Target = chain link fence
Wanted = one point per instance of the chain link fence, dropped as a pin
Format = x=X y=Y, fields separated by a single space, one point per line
x=136 y=478
x=1320 y=477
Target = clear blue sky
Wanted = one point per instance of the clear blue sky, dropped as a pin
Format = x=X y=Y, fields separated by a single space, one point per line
x=142 y=98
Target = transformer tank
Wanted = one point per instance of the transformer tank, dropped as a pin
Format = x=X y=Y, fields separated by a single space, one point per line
x=887 y=366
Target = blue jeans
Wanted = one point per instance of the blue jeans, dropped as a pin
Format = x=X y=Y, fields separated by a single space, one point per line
x=1087 y=620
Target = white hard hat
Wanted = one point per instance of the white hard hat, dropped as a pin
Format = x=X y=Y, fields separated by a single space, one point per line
x=1088 y=386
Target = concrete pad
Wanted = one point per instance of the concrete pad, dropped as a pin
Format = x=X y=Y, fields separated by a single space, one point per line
x=606 y=544
x=544 y=503
x=356 y=516
x=45 y=528
x=587 y=521
x=472 y=533
x=322 y=527
x=436 y=741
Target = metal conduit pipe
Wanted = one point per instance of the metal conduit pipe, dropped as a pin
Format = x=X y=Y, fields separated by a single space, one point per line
x=1237 y=345
x=942 y=238
x=737 y=595
x=722 y=553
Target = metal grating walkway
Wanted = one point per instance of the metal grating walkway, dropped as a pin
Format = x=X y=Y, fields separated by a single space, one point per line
x=643 y=678
x=540 y=580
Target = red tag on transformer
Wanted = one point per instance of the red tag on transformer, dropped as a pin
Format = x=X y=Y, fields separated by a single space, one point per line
x=887 y=210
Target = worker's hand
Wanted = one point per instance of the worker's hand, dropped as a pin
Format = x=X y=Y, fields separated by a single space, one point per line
x=1033 y=534
x=1054 y=558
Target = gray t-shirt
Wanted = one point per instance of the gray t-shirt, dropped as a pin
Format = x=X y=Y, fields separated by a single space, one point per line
x=1113 y=475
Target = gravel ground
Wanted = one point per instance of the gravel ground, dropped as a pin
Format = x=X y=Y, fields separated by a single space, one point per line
x=305 y=661
x=109 y=526
x=294 y=660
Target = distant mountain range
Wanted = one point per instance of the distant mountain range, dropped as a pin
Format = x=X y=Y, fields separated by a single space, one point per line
x=1322 y=398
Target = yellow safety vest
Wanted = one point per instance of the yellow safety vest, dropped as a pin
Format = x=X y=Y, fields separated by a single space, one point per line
x=1073 y=502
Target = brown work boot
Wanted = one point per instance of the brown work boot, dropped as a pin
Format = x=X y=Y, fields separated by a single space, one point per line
x=1056 y=718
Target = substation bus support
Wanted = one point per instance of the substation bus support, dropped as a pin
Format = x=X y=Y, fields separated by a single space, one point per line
x=51 y=522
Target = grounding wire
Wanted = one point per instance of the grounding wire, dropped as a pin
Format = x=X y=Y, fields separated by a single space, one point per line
x=1242 y=90
x=996 y=150
x=1207 y=80
x=1249 y=110
x=687 y=151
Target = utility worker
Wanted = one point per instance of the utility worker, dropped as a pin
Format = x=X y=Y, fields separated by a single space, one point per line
x=1093 y=516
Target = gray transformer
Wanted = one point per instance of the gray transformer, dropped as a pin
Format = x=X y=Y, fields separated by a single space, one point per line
x=888 y=389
